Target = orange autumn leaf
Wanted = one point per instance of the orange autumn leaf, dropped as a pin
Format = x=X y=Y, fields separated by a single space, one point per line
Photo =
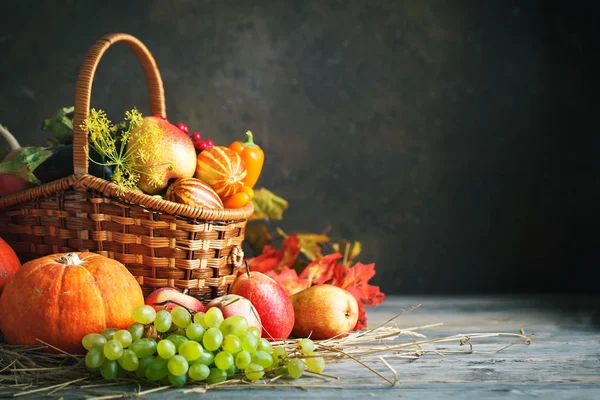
x=320 y=270
x=289 y=280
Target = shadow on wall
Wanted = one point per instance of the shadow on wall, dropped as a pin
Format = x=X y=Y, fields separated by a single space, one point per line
x=433 y=133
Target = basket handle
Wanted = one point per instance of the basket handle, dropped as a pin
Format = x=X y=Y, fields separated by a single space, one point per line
x=83 y=90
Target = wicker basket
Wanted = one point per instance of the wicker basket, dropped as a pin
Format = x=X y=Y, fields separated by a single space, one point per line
x=163 y=244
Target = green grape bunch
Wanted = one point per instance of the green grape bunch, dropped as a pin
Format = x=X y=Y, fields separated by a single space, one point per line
x=174 y=347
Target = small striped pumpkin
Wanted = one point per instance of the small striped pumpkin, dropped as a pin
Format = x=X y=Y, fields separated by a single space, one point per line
x=193 y=192
x=222 y=168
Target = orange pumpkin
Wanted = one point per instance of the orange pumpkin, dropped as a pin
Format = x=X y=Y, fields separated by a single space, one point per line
x=222 y=168
x=9 y=263
x=62 y=297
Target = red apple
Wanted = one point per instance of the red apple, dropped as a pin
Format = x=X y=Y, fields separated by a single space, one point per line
x=169 y=153
x=167 y=298
x=271 y=302
x=324 y=311
x=233 y=304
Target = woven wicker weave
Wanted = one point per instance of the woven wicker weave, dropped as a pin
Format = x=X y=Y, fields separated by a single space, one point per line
x=163 y=244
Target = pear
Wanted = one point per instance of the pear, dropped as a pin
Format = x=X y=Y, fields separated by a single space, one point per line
x=323 y=311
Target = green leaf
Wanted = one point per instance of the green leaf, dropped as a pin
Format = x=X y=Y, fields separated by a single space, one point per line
x=61 y=125
x=267 y=205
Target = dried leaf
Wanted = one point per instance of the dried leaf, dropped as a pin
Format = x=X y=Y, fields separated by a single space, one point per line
x=310 y=243
x=267 y=205
x=257 y=236
x=349 y=250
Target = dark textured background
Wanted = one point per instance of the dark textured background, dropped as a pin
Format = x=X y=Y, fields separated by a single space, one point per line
x=457 y=140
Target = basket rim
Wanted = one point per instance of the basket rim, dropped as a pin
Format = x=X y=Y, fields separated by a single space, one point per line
x=134 y=197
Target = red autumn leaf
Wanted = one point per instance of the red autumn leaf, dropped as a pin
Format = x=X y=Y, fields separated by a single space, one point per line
x=355 y=280
x=362 y=318
x=289 y=280
x=321 y=270
x=266 y=261
x=273 y=259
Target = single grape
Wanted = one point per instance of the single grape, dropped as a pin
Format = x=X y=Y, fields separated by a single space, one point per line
x=94 y=357
x=137 y=330
x=279 y=354
x=191 y=350
x=249 y=342
x=255 y=331
x=206 y=358
x=315 y=363
x=224 y=360
x=199 y=319
x=177 y=339
x=265 y=345
x=166 y=349
x=231 y=370
x=163 y=321
x=177 y=380
x=92 y=340
x=235 y=325
x=262 y=358
x=129 y=361
x=198 y=372
x=212 y=339
x=306 y=346
x=295 y=368
x=109 y=369
x=124 y=337
x=216 y=375
x=232 y=344
x=254 y=372
x=181 y=316
x=113 y=349
x=140 y=372
x=143 y=347
x=178 y=365
x=194 y=331
x=213 y=317
x=144 y=314
x=108 y=333
x=156 y=369
x=242 y=359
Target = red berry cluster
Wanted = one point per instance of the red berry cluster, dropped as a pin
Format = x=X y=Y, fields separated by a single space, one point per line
x=199 y=144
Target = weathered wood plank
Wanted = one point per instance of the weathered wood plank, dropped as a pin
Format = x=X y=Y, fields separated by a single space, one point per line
x=563 y=361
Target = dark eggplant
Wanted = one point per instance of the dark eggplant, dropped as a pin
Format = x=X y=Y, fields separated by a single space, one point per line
x=60 y=164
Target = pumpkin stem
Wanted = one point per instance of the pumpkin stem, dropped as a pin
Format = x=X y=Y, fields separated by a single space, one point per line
x=69 y=259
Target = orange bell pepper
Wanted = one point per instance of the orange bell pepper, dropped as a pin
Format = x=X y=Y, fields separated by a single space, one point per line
x=253 y=157
x=239 y=199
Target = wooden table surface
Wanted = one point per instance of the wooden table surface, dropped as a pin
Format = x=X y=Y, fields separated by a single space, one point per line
x=562 y=362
